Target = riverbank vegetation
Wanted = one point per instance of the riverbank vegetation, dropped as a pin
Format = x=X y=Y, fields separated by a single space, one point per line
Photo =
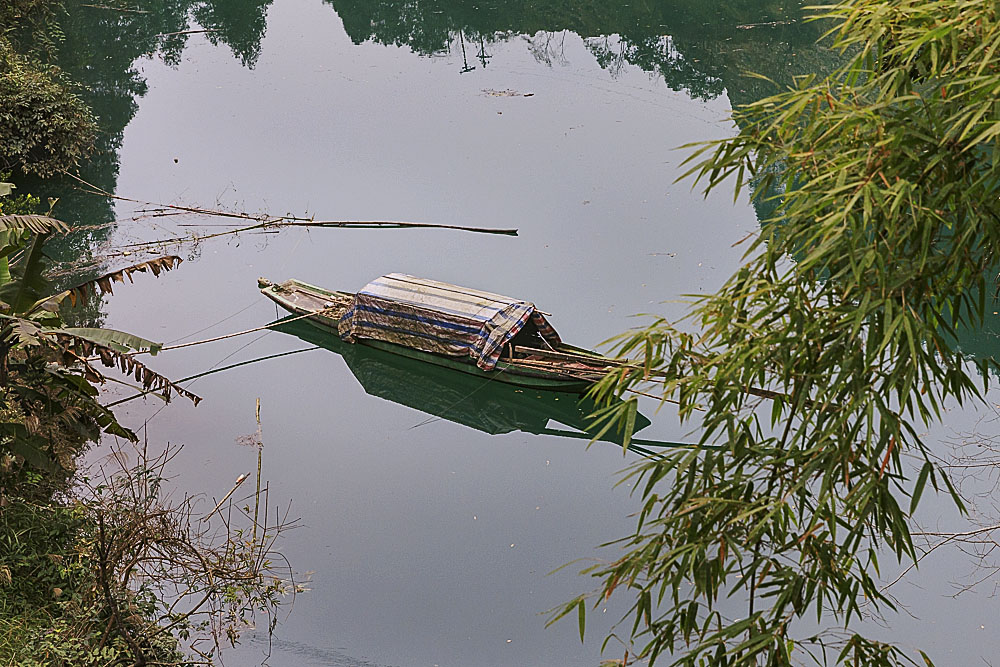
x=102 y=572
x=110 y=573
x=843 y=316
x=45 y=127
x=93 y=571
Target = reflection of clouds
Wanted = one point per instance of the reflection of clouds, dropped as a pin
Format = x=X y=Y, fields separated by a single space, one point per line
x=299 y=653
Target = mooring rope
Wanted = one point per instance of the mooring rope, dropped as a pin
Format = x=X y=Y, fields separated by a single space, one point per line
x=214 y=370
x=269 y=327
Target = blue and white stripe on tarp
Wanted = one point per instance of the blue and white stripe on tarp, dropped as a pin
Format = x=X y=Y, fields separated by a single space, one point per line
x=440 y=318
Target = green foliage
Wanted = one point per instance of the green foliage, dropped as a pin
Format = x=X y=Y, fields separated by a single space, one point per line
x=31 y=25
x=34 y=539
x=50 y=404
x=93 y=579
x=11 y=204
x=44 y=126
x=48 y=612
x=819 y=362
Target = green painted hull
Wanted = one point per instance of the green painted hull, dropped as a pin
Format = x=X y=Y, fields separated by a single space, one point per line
x=503 y=372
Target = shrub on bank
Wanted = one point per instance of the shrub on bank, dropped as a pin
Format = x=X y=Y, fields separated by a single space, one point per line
x=44 y=127
x=51 y=612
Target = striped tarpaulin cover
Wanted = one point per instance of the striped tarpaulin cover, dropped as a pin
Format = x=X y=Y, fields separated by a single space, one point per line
x=437 y=317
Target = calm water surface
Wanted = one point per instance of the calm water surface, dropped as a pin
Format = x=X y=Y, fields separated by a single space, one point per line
x=430 y=540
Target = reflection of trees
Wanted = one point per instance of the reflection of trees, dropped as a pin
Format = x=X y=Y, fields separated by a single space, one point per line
x=699 y=47
x=240 y=25
x=657 y=54
x=704 y=53
x=99 y=52
x=694 y=46
x=548 y=48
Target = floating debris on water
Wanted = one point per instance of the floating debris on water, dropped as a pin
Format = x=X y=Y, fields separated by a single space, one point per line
x=505 y=93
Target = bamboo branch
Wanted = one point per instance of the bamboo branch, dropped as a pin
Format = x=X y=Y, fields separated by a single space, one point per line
x=267 y=222
x=239 y=480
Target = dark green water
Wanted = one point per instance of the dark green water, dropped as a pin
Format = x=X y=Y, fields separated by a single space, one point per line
x=430 y=530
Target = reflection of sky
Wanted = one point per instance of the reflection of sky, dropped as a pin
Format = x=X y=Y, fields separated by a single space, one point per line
x=430 y=544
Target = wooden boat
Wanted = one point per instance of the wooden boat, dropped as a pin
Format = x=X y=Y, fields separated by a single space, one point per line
x=480 y=333
x=472 y=401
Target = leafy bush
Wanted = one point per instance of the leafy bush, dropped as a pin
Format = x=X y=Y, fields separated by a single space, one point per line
x=32 y=25
x=50 y=613
x=44 y=126
x=118 y=574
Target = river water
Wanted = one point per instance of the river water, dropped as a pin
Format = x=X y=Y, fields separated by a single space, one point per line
x=430 y=539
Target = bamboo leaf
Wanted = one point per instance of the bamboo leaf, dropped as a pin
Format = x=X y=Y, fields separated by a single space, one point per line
x=631 y=410
x=918 y=488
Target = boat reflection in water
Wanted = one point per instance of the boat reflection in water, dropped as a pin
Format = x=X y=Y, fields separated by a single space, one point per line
x=480 y=403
